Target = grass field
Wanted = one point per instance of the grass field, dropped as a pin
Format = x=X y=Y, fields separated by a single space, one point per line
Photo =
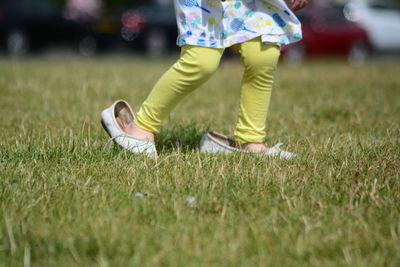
x=68 y=200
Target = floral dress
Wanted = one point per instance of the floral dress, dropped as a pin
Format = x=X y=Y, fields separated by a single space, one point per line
x=219 y=24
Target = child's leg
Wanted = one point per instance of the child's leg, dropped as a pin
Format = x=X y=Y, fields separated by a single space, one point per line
x=260 y=62
x=195 y=67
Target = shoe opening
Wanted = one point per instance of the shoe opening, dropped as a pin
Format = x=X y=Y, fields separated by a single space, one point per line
x=123 y=114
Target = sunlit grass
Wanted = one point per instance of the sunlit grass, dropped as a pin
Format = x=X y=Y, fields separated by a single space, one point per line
x=66 y=199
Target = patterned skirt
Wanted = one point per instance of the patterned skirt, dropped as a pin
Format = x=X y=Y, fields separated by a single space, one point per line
x=219 y=24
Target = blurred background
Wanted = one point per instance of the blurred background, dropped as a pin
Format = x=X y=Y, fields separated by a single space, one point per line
x=353 y=30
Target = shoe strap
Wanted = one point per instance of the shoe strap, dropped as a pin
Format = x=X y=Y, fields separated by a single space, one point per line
x=277 y=146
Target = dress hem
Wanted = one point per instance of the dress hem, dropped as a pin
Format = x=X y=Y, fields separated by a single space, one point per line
x=282 y=39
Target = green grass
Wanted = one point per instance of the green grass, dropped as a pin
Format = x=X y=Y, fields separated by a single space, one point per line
x=65 y=199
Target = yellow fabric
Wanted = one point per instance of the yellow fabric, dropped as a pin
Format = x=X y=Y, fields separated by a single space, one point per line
x=195 y=66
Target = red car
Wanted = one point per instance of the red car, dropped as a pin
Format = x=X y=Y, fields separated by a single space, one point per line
x=326 y=32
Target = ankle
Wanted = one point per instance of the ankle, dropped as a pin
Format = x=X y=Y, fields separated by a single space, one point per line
x=254 y=147
x=133 y=130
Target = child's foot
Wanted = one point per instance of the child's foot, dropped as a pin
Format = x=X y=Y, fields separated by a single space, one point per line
x=212 y=142
x=133 y=130
x=255 y=147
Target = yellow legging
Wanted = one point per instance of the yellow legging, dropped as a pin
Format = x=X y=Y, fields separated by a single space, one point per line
x=195 y=67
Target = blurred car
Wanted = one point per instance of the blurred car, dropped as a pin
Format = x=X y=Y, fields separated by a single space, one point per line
x=381 y=20
x=151 y=27
x=32 y=24
x=327 y=32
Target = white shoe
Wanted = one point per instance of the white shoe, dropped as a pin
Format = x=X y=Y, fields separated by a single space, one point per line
x=213 y=142
x=121 y=109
